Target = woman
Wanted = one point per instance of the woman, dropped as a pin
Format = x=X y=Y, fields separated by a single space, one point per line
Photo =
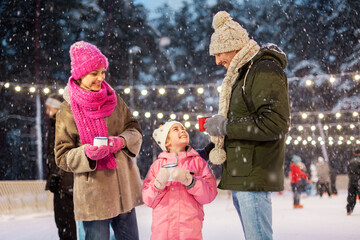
x=107 y=185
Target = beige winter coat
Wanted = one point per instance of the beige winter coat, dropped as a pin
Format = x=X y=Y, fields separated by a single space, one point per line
x=104 y=193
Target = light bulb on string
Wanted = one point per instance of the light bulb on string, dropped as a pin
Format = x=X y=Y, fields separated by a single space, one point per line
x=173 y=116
x=127 y=90
x=46 y=90
x=32 y=89
x=321 y=115
x=7 y=85
x=160 y=115
x=135 y=113
x=144 y=92
x=61 y=91
x=181 y=91
x=18 y=88
x=162 y=91
x=332 y=79
x=147 y=114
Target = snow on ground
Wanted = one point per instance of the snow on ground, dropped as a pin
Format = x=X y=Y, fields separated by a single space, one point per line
x=321 y=219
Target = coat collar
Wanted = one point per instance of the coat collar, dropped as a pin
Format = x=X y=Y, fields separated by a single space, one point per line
x=174 y=157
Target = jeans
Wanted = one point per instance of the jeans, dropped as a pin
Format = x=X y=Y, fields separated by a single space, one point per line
x=124 y=226
x=255 y=212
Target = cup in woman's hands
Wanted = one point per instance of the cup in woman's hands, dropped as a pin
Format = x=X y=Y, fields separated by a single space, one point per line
x=170 y=167
x=201 y=123
x=99 y=141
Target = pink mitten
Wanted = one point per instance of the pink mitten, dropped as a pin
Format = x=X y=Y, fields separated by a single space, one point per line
x=115 y=144
x=161 y=178
x=95 y=152
x=182 y=176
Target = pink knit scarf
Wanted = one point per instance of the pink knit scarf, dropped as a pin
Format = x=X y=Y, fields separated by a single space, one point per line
x=89 y=109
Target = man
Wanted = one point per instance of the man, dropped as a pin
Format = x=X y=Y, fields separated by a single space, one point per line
x=253 y=118
x=59 y=182
x=354 y=182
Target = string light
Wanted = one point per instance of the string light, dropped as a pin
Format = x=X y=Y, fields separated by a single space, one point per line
x=147 y=114
x=144 y=92
x=173 y=116
x=160 y=115
x=46 y=90
x=332 y=79
x=135 y=113
x=200 y=90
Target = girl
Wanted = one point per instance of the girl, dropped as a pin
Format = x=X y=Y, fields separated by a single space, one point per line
x=177 y=199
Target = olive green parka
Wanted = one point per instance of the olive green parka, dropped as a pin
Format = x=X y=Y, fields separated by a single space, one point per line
x=258 y=119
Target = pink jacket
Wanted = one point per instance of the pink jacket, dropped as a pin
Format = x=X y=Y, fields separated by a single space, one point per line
x=178 y=212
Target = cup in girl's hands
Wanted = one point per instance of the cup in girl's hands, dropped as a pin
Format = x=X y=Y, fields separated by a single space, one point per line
x=201 y=123
x=98 y=141
x=170 y=167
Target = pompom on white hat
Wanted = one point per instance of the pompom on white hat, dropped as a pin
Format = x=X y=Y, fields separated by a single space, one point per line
x=228 y=36
x=160 y=134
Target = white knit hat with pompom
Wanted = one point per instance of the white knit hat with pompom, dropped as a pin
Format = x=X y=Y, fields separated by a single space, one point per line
x=228 y=36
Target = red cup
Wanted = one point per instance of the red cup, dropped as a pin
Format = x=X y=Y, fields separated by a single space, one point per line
x=201 y=123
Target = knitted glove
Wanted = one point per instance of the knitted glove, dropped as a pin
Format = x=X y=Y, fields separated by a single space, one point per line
x=95 y=152
x=115 y=144
x=216 y=125
x=182 y=176
x=161 y=178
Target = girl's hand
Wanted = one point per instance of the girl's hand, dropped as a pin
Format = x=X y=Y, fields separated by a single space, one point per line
x=182 y=176
x=161 y=178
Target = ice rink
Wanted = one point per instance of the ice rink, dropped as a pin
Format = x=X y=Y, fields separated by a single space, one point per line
x=321 y=219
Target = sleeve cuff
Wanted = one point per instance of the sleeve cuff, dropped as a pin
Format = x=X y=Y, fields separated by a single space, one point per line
x=192 y=183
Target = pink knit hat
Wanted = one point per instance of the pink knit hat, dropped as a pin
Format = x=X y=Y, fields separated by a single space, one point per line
x=85 y=58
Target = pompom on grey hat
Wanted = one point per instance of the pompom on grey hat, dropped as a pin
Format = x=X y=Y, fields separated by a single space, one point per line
x=228 y=36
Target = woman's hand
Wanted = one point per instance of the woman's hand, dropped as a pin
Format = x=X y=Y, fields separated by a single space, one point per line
x=115 y=144
x=95 y=152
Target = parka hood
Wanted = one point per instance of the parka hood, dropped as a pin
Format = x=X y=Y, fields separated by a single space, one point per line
x=273 y=52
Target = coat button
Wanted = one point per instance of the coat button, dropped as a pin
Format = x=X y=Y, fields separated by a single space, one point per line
x=172 y=188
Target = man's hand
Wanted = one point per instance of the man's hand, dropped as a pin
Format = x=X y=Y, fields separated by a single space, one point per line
x=216 y=125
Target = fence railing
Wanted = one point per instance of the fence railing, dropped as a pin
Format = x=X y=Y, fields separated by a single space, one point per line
x=24 y=197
